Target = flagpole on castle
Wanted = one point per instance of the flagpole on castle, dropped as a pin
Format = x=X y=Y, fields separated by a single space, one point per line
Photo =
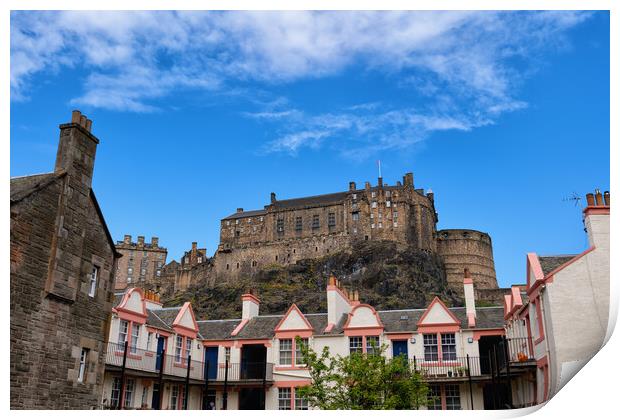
x=379 y=165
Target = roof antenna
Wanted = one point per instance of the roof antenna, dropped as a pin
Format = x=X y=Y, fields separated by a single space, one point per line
x=574 y=197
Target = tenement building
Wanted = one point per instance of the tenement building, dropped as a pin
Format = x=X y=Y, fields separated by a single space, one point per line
x=140 y=263
x=559 y=319
x=286 y=231
x=164 y=358
x=62 y=280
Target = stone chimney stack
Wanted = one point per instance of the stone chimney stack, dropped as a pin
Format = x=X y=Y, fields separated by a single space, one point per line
x=380 y=182
x=76 y=150
x=273 y=197
x=352 y=186
x=367 y=186
x=140 y=240
x=470 y=301
x=250 y=305
x=127 y=239
x=154 y=241
x=239 y=209
x=408 y=179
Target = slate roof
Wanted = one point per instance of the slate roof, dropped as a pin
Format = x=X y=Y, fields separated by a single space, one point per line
x=166 y=315
x=249 y=213
x=23 y=186
x=312 y=201
x=153 y=320
x=219 y=329
x=486 y=317
x=550 y=263
x=260 y=327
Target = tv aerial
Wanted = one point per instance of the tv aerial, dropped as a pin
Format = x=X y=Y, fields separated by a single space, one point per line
x=573 y=197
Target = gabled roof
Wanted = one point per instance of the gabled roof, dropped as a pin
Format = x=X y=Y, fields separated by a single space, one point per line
x=23 y=186
x=291 y=310
x=218 y=329
x=551 y=262
x=437 y=302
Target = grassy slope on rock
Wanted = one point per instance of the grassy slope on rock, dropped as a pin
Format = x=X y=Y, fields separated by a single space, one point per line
x=386 y=278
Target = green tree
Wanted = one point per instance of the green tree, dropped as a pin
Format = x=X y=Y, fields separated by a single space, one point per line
x=362 y=381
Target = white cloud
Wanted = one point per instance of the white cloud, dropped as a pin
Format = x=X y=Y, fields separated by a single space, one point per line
x=467 y=65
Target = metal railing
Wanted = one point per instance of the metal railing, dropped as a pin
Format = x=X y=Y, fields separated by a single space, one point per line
x=173 y=365
x=520 y=349
x=457 y=367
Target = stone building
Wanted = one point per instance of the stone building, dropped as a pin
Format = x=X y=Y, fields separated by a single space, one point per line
x=141 y=262
x=62 y=280
x=286 y=231
x=195 y=267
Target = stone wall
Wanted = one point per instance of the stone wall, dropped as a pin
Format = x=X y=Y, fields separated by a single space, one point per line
x=465 y=248
x=141 y=263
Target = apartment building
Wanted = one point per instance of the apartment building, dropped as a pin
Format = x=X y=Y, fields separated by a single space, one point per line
x=559 y=319
x=172 y=361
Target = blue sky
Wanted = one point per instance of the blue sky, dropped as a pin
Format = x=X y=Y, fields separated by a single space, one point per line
x=502 y=114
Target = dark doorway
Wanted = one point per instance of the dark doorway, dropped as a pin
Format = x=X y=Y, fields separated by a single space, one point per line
x=399 y=347
x=208 y=400
x=251 y=399
x=486 y=345
x=156 y=397
x=496 y=396
x=253 y=361
x=161 y=345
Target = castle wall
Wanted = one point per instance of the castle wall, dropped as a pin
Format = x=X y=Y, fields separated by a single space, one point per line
x=464 y=248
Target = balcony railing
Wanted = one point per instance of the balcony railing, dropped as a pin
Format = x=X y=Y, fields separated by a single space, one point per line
x=151 y=362
x=458 y=367
x=520 y=349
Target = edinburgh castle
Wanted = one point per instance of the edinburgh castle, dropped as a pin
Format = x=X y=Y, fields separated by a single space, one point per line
x=287 y=232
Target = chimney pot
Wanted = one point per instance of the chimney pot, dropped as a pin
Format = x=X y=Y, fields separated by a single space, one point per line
x=606 y=198
x=590 y=199
x=239 y=209
x=273 y=197
x=89 y=124
x=75 y=117
x=599 y=197
x=194 y=246
x=140 y=240
x=127 y=239
x=83 y=121
x=352 y=186
x=154 y=241
x=332 y=280
x=367 y=185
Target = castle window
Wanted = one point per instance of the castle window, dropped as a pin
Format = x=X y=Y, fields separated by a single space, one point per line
x=354 y=230
x=129 y=279
x=331 y=219
x=237 y=221
x=355 y=196
x=276 y=258
x=298 y=223
x=395 y=224
x=388 y=203
x=315 y=221
x=237 y=233
x=199 y=260
x=144 y=253
x=372 y=225
x=380 y=215
x=250 y=220
x=380 y=225
x=143 y=271
x=158 y=273
x=372 y=215
x=238 y=263
x=261 y=218
x=93 y=281
x=228 y=223
x=373 y=194
x=355 y=216
x=280 y=225
x=354 y=206
x=374 y=205
x=388 y=193
x=227 y=266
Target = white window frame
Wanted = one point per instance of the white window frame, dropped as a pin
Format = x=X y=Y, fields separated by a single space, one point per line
x=448 y=347
x=285 y=396
x=135 y=336
x=123 y=329
x=188 y=347
x=115 y=395
x=452 y=394
x=94 y=276
x=174 y=397
x=129 y=389
x=82 y=368
x=178 y=348
x=431 y=343
x=369 y=348
x=298 y=355
x=359 y=344
x=286 y=352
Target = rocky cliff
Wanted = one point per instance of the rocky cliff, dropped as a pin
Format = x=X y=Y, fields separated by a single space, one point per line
x=386 y=276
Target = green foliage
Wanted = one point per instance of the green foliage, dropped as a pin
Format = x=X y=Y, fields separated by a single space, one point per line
x=362 y=382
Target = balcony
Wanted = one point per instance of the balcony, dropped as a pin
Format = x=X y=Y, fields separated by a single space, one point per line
x=520 y=350
x=148 y=363
x=458 y=368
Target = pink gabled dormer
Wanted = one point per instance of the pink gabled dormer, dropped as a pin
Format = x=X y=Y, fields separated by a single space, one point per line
x=185 y=322
x=293 y=324
x=438 y=318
